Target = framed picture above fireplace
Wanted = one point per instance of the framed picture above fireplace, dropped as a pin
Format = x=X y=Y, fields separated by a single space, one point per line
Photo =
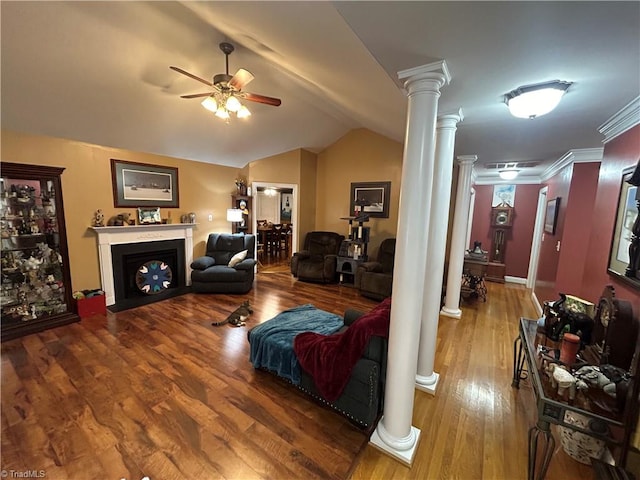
x=144 y=185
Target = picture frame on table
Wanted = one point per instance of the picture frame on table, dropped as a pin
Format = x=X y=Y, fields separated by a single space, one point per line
x=624 y=260
x=374 y=195
x=143 y=185
x=551 y=216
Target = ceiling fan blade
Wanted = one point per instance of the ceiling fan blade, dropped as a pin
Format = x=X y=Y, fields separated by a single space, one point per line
x=241 y=79
x=197 y=95
x=254 y=97
x=191 y=75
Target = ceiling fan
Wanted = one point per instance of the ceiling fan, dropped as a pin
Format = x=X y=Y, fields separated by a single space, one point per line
x=227 y=90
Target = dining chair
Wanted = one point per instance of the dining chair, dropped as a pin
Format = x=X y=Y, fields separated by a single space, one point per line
x=275 y=238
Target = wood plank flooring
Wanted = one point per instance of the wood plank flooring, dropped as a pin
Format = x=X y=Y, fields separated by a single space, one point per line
x=158 y=391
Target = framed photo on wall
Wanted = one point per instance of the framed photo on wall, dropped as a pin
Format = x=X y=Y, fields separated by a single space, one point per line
x=621 y=262
x=372 y=198
x=143 y=185
x=551 y=216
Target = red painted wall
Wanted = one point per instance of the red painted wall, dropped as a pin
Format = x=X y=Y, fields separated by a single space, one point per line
x=518 y=238
x=574 y=253
x=545 y=287
x=619 y=153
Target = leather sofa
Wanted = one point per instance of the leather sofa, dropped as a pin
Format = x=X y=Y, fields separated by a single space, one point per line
x=317 y=260
x=212 y=273
x=375 y=279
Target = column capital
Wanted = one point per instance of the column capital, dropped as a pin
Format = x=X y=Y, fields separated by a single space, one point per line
x=451 y=115
x=426 y=78
x=430 y=68
x=466 y=159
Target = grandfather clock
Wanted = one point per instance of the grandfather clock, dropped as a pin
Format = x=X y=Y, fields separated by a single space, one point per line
x=501 y=221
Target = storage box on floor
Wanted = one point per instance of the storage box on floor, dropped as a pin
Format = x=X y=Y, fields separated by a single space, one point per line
x=90 y=302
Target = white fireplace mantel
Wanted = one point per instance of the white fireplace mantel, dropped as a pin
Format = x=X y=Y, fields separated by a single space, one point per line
x=108 y=236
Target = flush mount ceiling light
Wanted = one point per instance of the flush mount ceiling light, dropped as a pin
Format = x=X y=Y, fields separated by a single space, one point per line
x=531 y=101
x=508 y=174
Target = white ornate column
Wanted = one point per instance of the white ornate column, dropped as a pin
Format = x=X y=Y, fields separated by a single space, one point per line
x=458 y=237
x=394 y=434
x=426 y=378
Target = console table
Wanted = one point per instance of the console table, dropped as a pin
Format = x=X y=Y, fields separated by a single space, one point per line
x=552 y=409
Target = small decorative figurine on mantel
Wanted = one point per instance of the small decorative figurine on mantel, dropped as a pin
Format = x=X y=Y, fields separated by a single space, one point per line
x=98 y=219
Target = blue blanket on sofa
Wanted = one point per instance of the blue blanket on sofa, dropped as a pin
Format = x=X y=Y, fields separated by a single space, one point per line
x=272 y=341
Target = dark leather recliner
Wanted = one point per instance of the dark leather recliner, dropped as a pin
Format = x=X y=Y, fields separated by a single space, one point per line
x=317 y=261
x=212 y=273
x=375 y=279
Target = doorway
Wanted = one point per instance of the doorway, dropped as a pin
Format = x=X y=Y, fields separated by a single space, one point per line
x=277 y=205
x=535 y=246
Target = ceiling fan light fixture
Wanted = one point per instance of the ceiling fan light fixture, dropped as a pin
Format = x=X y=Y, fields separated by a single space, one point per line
x=243 y=112
x=233 y=104
x=222 y=113
x=210 y=103
x=508 y=174
x=531 y=101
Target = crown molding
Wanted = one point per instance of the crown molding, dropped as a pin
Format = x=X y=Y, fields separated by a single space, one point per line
x=625 y=119
x=582 y=155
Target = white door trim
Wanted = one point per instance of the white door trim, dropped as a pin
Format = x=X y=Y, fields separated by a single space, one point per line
x=537 y=238
x=296 y=208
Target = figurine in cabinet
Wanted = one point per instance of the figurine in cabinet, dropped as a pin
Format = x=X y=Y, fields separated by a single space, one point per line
x=36 y=282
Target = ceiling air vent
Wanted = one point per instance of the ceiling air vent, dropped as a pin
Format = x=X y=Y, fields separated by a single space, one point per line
x=510 y=165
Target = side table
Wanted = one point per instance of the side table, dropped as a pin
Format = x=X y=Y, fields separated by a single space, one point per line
x=552 y=409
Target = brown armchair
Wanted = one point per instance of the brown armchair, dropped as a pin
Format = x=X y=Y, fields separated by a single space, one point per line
x=317 y=260
x=375 y=279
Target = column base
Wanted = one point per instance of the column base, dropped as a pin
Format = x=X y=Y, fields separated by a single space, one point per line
x=450 y=312
x=428 y=384
x=403 y=456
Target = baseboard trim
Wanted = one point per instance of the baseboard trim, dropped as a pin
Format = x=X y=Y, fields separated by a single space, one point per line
x=518 y=280
x=536 y=302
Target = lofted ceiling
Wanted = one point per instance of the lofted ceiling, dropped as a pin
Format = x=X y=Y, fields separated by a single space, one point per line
x=98 y=72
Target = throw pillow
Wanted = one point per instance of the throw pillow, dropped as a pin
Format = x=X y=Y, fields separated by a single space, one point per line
x=237 y=258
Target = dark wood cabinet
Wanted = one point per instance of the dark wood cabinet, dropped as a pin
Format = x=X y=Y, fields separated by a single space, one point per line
x=35 y=290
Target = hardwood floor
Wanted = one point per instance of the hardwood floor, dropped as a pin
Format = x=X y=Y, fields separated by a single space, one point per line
x=158 y=391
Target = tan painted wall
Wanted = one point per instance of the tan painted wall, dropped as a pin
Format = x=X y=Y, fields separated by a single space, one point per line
x=282 y=168
x=360 y=156
x=323 y=179
x=308 y=176
x=204 y=189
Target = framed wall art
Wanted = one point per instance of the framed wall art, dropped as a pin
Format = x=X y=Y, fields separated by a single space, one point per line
x=551 y=216
x=372 y=198
x=143 y=185
x=624 y=255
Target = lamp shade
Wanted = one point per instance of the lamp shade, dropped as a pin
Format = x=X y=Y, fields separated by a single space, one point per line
x=233 y=104
x=243 y=112
x=210 y=103
x=234 y=215
x=533 y=101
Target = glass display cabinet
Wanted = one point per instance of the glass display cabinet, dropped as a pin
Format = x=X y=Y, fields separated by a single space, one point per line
x=35 y=290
